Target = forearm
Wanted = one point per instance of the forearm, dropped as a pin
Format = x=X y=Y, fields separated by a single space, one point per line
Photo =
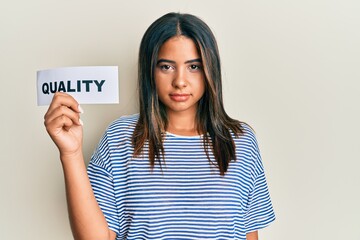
x=86 y=218
x=252 y=236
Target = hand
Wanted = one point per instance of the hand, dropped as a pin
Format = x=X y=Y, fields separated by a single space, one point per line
x=62 y=122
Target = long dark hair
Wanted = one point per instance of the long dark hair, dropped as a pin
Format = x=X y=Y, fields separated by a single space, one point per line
x=211 y=118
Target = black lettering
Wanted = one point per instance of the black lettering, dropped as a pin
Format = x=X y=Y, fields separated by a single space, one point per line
x=53 y=90
x=61 y=87
x=87 y=84
x=45 y=88
x=99 y=85
x=69 y=89
x=78 y=86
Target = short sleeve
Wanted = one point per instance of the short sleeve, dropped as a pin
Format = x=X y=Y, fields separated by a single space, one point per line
x=99 y=172
x=260 y=211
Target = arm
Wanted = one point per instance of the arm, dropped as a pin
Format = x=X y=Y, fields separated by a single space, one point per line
x=252 y=236
x=86 y=218
x=65 y=128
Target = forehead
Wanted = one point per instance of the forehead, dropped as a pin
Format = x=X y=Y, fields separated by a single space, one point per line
x=179 y=47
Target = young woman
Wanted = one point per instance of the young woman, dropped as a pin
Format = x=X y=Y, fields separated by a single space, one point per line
x=181 y=168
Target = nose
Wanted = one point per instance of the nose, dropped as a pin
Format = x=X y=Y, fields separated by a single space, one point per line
x=179 y=80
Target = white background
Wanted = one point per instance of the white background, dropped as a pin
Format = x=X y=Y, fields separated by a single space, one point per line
x=291 y=70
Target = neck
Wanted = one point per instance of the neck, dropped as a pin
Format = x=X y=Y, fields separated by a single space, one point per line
x=182 y=124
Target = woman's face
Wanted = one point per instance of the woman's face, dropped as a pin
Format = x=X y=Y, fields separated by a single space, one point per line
x=179 y=75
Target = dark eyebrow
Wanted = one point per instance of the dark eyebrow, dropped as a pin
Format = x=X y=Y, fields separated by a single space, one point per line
x=170 y=61
x=194 y=60
x=165 y=60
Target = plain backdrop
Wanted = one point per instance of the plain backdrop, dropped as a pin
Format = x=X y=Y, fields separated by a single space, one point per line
x=291 y=69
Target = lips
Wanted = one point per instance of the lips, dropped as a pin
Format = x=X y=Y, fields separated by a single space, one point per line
x=179 y=97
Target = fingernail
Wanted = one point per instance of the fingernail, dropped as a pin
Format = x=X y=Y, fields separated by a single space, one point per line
x=80 y=109
x=81 y=122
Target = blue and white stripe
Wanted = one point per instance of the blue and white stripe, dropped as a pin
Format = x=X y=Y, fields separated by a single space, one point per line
x=187 y=198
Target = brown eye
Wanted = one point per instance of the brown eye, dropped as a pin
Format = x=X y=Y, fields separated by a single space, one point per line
x=194 y=67
x=165 y=67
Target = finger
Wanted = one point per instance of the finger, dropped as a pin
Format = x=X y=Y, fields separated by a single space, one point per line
x=63 y=99
x=63 y=111
x=67 y=123
x=59 y=124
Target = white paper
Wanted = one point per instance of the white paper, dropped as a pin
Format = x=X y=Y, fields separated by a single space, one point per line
x=88 y=85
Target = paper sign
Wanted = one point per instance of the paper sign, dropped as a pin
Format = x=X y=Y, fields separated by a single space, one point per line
x=88 y=85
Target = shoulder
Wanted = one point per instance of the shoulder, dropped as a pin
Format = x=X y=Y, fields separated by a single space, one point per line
x=246 y=135
x=121 y=129
x=115 y=144
x=124 y=124
x=247 y=148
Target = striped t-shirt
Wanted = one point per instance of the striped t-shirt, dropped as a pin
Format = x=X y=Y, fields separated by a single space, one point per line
x=186 y=198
